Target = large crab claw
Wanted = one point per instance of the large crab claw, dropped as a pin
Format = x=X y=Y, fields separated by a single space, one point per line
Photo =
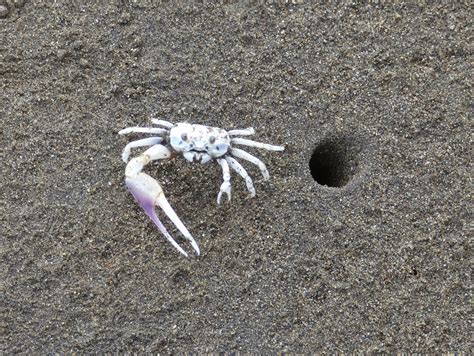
x=148 y=194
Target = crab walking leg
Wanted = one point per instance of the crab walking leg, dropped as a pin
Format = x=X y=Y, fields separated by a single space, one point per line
x=266 y=146
x=139 y=143
x=149 y=193
x=236 y=152
x=236 y=166
x=152 y=130
x=242 y=132
x=225 y=186
x=163 y=123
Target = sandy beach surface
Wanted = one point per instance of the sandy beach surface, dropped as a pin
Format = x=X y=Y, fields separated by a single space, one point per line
x=374 y=101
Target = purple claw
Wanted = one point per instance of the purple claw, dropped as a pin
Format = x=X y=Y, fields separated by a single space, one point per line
x=147 y=203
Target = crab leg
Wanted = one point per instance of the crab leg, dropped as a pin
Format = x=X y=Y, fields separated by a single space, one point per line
x=148 y=193
x=248 y=157
x=139 y=143
x=236 y=166
x=225 y=186
x=266 y=146
x=153 y=130
x=242 y=132
x=163 y=123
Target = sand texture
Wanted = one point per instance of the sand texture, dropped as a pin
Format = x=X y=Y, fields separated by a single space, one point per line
x=375 y=259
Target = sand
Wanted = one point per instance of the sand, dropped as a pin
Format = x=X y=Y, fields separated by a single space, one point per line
x=373 y=259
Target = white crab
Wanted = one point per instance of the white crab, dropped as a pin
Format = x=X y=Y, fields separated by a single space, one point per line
x=198 y=143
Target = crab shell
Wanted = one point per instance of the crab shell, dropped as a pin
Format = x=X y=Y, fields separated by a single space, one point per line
x=199 y=142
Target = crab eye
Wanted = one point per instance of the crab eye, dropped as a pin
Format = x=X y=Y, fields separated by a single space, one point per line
x=184 y=137
x=212 y=139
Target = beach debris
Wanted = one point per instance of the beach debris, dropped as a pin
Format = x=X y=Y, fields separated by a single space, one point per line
x=196 y=143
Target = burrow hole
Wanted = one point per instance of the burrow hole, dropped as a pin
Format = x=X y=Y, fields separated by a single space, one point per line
x=334 y=162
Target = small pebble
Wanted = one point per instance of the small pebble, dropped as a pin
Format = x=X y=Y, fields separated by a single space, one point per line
x=3 y=11
x=125 y=18
x=18 y=3
x=62 y=53
x=84 y=62
x=338 y=226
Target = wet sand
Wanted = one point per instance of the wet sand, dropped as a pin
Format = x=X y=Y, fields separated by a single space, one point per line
x=375 y=262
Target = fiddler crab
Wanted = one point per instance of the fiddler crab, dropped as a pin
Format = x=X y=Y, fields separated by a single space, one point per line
x=196 y=143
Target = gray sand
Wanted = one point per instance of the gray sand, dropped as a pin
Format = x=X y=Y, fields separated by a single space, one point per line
x=382 y=94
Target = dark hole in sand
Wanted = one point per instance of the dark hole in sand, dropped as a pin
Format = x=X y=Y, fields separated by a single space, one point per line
x=333 y=162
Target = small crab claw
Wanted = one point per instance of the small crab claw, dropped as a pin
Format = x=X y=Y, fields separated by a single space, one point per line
x=148 y=193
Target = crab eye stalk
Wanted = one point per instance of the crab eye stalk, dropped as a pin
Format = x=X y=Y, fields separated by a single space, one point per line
x=184 y=136
x=212 y=139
